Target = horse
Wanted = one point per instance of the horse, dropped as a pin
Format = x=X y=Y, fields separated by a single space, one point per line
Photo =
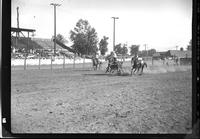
x=138 y=64
x=96 y=63
x=115 y=66
x=111 y=61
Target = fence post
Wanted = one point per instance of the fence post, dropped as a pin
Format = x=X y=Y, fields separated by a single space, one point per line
x=74 y=61
x=39 y=61
x=63 y=61
x=51 y=62
x=25 y=62
x=83 y=61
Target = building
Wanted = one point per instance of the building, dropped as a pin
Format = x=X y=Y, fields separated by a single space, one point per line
x=179 y=54
x=184 y=57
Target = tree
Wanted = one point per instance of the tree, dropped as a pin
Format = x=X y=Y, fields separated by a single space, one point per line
x=84 y=38
x=60 y=38
x=181 y=49
x=124 y=50
x=118 y=49
x=103 y=45
x=134 y=49
x=151 y=52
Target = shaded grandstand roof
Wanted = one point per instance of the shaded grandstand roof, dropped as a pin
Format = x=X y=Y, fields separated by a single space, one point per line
x=46 y=43
x=23 y=42
x=22 y=29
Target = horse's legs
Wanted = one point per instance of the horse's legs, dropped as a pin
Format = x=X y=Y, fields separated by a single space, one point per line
x=132 y=70
x=135 y=70
x=107 y=69
x=142 y=70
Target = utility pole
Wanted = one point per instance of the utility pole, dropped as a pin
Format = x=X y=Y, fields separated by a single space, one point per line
x=114 y=32
x=145 y=45
x=17 y=33
x=54 y=4
x=18 y=17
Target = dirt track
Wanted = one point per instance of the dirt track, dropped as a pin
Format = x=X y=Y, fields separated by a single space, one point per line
x=85 y=101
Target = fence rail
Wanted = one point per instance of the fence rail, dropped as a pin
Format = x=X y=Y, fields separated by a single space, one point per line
x=51 y=62
x=77 y=62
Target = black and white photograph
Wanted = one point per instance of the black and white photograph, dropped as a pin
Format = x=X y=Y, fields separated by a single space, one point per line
x=101 y=66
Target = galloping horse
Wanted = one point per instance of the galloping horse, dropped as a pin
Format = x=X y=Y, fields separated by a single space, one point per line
x=113 y=65
x=138 y=64
x=110 y=61
x=117 y=66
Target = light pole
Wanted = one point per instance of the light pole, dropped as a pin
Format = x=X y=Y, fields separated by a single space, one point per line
x=114 y=31
x=54 y=4
x=145 y=45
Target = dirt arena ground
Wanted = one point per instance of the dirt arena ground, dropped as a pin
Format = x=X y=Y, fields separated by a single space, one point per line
x=87 y=101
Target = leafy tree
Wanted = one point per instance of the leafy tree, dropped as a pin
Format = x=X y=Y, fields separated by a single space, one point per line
x=84 y=38
x=124 y=50
x=118 y=49
x=181 y=49
x=61 y=38
x=134 y=49
x=151 y=52
x=103 y=45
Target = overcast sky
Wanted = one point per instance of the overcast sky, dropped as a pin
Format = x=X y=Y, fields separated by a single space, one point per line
x=161 y=24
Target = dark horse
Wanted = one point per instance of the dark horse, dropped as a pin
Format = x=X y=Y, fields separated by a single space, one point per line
x=113 y=65
x=110 y=61
x=139 y=64
x=96 y=63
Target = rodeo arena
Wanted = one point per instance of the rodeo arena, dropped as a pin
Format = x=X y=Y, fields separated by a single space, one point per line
x=59 y=91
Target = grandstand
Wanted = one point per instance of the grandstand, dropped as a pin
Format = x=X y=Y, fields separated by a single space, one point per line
x=46 y=43
x=35 y=43
x=38 y=45
x=22 y=42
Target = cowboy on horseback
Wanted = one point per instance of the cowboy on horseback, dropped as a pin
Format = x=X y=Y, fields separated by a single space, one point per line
x=112 y=60
x=137 y=63
x=134 y=60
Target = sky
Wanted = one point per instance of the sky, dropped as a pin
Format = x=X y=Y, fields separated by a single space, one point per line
x=160 y=24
